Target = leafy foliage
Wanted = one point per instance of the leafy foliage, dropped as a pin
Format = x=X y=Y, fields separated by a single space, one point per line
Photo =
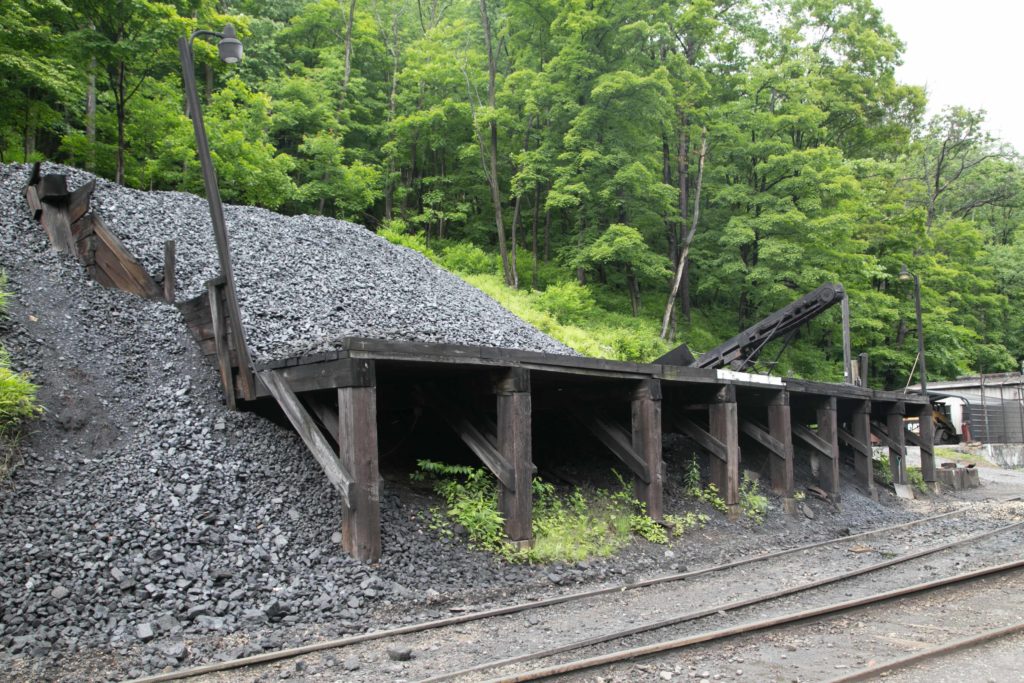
x=570 y=527
x=582 y=121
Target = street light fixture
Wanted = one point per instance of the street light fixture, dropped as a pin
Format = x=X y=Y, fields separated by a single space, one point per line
x=230 y=50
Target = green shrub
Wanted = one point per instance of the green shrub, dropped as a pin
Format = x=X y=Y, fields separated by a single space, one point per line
x=18 y=401
x=463 y=257
x=706 y=494
x=396 y=232
x=567 y=301
x=635 y=346
x=567 y=528
x=752 y=502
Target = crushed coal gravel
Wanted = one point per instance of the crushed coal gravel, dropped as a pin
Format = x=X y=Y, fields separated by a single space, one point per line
x=148 y=527
x=306 y=282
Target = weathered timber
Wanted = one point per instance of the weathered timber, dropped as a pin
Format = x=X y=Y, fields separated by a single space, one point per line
x=326 y=412
x=52 y=188
x=812 y=439
x=646 y=442
x=169 y=266
x=723 y=416
x=357 y=451
x=704 y=439
x=479 y=435
x=780 y=426
x=616 y=439
x=515 y=443
x=227 y=378
x=34 y=205
x=926 y=440
x=828 y=430
x=112 y=256
x=58 y=228
x=344 y=372
x=337 y=472
x=859 y=439
x=897 y=445
x=761 y=435
x=78 y=202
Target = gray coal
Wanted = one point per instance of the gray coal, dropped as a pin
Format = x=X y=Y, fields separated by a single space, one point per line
x=306 y=282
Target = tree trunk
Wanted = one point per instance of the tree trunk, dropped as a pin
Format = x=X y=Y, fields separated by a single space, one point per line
x=389 y=183
x=547 y=235
x=634 y=292
x=536 y=218
x=492 y=169
x=684 y=205
x=90 y=117
x=119 y=97
x=684 y=255
x=348 y=51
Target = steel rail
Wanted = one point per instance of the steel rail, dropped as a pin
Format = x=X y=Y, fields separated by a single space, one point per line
x=717 y=609
x=751 y=627
x=916 y=658
x=514 y=609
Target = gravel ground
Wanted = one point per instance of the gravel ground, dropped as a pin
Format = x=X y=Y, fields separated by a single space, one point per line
x=148 y=527
x=304 y=282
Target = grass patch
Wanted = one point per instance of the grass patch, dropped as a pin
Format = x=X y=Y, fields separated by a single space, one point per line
x=18 y=402
x=566 y=528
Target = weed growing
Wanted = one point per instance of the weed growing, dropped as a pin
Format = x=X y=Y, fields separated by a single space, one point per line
x=753 y=503
x=566 y=528
x=18 y=401
x=707 y=494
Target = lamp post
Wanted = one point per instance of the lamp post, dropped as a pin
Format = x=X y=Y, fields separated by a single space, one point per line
x=229 y=48
x=906 y=276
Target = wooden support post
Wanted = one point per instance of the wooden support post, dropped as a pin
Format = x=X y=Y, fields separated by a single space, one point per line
x=863 y=461
x=169 y=264
x=926 y=435
x=724 y=424
x=646 y=427
x=828 y=430
x=780 y=427
x=897 y=443
x=515 y=442
x=227 y=379
x=357 y=451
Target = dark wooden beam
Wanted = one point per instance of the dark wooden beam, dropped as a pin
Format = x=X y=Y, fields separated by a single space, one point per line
x=704 y=439
x=897 y=445
x=859 y=439
x=169 y=266
x=616 y=439
x=515 y=443
x=828 y=430
x=761 y=435
x=926 y=438
x=812 y=439
x=336 y=471
x=780 y=426
x=479 y=437
x=227 y=378
x=334 y=374
x=645 y=409
x=357 y=452
x=723 y=417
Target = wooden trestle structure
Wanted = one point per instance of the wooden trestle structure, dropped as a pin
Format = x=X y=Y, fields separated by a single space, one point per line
x=489 y=397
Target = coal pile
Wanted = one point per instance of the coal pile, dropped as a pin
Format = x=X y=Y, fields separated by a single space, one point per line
x=306 y=282
x=146 y=518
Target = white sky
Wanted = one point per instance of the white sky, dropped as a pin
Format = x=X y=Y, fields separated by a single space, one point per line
x=967 y=52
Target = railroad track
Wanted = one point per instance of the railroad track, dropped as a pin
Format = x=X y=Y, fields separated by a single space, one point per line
x=894 y=549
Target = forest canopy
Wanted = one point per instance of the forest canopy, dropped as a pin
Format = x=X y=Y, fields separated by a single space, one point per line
x=576 y=159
